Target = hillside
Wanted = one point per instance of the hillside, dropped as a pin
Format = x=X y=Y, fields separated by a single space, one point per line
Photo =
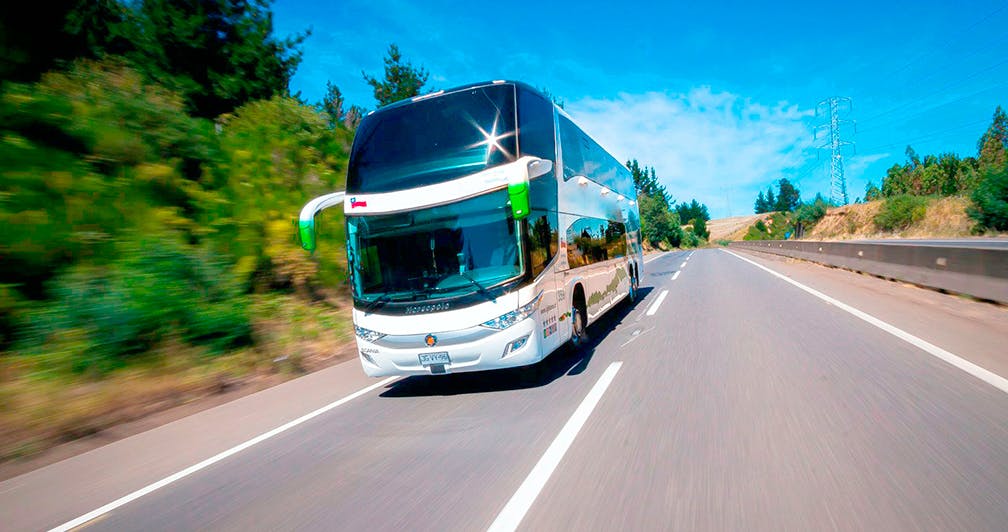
x=733 y=228
x=944 y=218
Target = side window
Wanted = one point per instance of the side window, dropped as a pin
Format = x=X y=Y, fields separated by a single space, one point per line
x=542 y=239
x=587 y=242
x=615 y=237
x=571 y=146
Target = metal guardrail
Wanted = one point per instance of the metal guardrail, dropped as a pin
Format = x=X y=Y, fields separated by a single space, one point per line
x=979 y=272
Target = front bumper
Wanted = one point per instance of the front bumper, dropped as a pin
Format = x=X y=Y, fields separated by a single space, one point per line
x=483 y=354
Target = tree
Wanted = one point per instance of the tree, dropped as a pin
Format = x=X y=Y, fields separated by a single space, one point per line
x=761 y=204
x=332 y=105
x=401 y=81
x=36 y=37
x=219 y=54
x=990 y=200
x=658 y=223
x=872 y=192
x=646 y=181
x=700 y=228
x=692 y=210
x=788 y=196
x=993 y=143
x=353 y=117
x=771 y=200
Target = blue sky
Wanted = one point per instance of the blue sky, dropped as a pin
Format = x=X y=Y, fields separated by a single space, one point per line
x=719 y=97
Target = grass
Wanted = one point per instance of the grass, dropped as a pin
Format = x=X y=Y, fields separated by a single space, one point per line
x=40 y=409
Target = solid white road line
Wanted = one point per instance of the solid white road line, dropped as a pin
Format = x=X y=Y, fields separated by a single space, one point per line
x=214 y=459
x=514 y=511
x=676 y=275
x=985 y=375
x=654 y=306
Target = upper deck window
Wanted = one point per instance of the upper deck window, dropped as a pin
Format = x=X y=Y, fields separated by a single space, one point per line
x=434 y=140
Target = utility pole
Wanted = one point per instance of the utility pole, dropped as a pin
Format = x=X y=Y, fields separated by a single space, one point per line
x=830 y=110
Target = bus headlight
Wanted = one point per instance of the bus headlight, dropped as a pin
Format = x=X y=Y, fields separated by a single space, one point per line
x=367 y=334
x=506 y=320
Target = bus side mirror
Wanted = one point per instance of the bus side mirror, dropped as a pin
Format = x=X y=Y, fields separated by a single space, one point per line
x=518 y=187
x=306 y=220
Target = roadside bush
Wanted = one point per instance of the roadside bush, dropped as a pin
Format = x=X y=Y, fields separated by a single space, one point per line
x=990 y=201
x=900 y=212
x=102 y=316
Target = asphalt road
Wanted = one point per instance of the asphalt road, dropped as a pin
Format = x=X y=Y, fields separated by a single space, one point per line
x=739 y=402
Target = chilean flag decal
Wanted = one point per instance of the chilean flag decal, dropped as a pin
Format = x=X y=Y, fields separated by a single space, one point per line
x=354 y=203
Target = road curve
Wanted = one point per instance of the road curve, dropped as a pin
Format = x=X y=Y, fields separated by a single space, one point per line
x=741 y=402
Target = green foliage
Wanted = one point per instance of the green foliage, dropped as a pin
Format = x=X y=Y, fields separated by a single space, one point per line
x=872 y=192
x=761 y=206
x=658 y=223
x=130 y=223
x=646 y=181
x=218 y=54
x=694 y=210
x=899 y=212
x=100 y=317
x=809 y=214
x=401 y=80
x=776 y=227
x=788 y=197
x=993 y=144
x=332 y=105
x=692 y=240
x=89 y=154
x=990 y=200
x=36 y=37
x=700 y=228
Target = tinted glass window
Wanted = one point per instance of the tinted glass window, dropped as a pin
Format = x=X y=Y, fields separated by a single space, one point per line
x=542 y=239
x=571 y=148
x=591 y=240
x=434 y=140
x=535 y=125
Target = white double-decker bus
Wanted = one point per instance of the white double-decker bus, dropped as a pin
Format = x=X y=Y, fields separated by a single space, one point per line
x=484 y=229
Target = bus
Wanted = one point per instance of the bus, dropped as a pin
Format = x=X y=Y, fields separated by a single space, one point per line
x=484 y=230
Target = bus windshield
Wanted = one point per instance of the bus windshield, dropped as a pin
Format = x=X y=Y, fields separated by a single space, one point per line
x=434 y=140
x=438 y=252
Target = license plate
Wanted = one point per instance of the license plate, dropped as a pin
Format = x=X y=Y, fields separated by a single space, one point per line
x=429 y=359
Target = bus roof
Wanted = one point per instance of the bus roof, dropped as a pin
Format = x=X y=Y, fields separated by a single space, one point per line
x=441 y=92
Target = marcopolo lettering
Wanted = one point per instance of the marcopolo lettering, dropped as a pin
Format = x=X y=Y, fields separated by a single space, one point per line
x=433 y=307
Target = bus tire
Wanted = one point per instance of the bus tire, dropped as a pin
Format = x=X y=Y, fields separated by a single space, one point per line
x=579 y=321
x=632 y=294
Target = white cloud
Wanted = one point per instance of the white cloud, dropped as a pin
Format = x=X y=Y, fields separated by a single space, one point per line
x=703 y=144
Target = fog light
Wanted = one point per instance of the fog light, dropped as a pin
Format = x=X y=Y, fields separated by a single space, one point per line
x=515 y=345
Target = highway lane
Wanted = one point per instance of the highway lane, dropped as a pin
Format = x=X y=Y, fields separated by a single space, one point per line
x=768 y=409
x=741 y=402
x=426 y=454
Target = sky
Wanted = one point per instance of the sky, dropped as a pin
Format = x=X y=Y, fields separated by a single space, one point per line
x=719 y=97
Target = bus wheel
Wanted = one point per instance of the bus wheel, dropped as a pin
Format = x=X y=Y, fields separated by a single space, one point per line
x=632 y=295
x=579 y=320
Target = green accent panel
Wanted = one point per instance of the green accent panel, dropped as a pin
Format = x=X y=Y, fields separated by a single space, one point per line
x=307 y=231
x=518 y=193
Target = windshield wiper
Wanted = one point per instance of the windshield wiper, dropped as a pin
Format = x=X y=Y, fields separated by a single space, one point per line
x=479 y=288
x=376 y=302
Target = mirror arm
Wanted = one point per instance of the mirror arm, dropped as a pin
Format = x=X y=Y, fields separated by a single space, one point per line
x=306 y=220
